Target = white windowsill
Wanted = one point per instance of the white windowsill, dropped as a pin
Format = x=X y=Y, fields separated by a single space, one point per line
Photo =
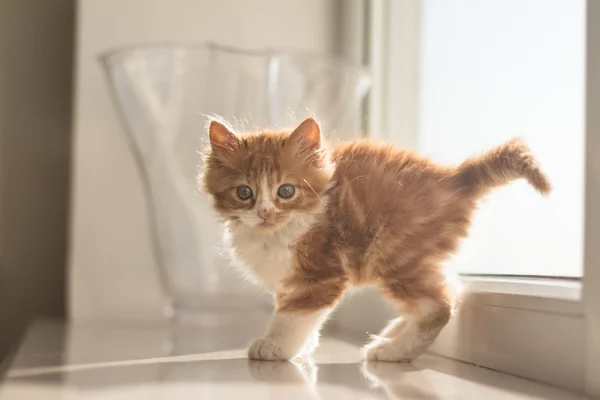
x=557 y=296
x=562 y=289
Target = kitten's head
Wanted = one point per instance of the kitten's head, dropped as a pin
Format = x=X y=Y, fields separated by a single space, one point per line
x=266 y=180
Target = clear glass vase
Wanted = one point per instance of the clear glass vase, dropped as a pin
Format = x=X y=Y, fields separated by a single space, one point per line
x=164 y=93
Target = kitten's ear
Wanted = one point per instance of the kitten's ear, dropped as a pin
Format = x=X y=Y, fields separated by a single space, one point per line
x=308 y=134
x=221 y=138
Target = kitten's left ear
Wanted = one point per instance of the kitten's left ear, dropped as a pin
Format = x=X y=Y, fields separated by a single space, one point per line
x=308 y=133
x=221 y=137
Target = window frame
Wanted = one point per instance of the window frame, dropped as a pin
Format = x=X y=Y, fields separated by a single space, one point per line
x=554 y=334
x=591 y=272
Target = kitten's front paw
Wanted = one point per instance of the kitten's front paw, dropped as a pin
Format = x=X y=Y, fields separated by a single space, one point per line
x=267 y=349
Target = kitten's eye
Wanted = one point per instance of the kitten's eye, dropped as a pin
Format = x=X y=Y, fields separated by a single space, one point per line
x=286 y=191
x=244 y=192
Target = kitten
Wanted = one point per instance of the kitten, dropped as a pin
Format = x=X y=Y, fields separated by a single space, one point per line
x=309 y=221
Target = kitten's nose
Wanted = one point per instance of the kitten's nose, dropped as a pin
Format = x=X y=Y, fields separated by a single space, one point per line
x=265 y=213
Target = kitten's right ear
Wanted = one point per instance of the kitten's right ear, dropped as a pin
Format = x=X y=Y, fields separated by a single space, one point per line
x=221 y=138
x=308 y=134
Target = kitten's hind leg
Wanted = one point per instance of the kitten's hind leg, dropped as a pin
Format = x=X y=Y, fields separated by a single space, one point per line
x=422 y=318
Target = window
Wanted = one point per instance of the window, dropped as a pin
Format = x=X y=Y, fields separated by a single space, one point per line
x=484 y=72
x=453 y=78
x=492 y=70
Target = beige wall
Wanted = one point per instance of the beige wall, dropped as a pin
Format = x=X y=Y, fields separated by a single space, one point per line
x=35 y=97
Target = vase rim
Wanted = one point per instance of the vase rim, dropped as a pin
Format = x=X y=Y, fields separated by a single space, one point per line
x=106 y=55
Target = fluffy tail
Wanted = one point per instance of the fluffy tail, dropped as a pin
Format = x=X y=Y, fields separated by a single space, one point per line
x=497 y=167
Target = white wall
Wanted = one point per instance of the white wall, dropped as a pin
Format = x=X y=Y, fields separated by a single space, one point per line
x=491 y=70
x=112 y=271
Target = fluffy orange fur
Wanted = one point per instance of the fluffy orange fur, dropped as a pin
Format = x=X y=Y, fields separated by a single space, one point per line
x=376 y=214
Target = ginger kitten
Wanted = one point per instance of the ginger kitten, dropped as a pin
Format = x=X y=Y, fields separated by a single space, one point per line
x=309 y=221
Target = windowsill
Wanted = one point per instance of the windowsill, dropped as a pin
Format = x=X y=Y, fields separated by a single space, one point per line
x=535 y=294
x=139 y=361
x=563 y=289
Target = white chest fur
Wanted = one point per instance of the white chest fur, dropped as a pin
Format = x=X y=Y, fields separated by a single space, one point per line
x=267 y=257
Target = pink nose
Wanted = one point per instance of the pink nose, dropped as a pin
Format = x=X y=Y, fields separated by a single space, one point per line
x=265 y=213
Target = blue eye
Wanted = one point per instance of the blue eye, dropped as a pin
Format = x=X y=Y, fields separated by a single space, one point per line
x=286 y=191
x=244 y=192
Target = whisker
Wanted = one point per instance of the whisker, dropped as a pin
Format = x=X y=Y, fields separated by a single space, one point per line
x=311 y=188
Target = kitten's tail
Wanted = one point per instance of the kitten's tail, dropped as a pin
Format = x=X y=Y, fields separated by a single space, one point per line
x=505 y=163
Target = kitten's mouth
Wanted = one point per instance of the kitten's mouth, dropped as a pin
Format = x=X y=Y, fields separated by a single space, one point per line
x=271 y=225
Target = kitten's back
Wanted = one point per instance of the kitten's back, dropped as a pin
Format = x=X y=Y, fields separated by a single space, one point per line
x=376 y=183
x=392 y=208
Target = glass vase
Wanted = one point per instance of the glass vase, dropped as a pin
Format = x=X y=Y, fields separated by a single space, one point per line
x=164 y=94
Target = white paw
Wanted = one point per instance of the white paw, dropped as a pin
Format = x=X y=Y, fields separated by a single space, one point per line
x=384 y=349
x=269 y=350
